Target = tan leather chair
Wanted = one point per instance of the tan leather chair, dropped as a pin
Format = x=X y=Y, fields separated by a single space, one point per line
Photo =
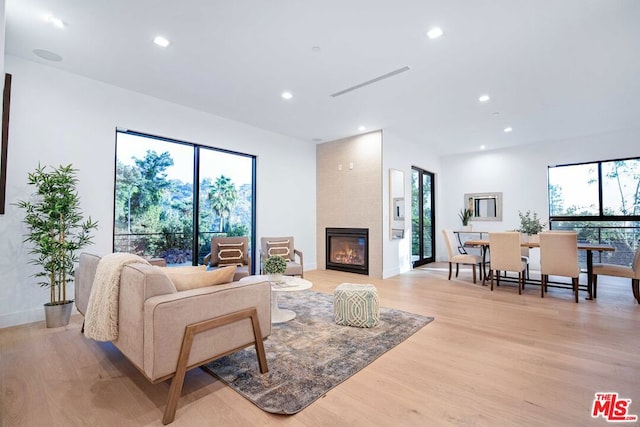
x=227 y=250
x=632 y=272
x=559 y=257
x=506 y=256
x=456 y=257
x=285 y=247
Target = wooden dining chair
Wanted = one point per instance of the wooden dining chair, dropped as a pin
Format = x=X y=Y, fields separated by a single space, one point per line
x=506 y=256
x=457 y=258
x=632 y=272
x=559 y=257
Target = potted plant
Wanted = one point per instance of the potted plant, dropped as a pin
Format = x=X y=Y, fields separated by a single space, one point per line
x=275 y=267
x=530 y=224
x=465 y=216
x=56 y=231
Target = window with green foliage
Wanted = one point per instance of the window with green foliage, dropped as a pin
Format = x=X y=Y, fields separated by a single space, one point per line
x=601 y=201
x=171 y=197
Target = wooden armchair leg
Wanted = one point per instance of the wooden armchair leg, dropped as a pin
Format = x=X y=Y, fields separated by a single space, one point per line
x=520 y=281
x=574 y=280
x=187 y=341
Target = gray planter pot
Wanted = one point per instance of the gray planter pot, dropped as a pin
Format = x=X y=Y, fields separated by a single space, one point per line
x=57 y=315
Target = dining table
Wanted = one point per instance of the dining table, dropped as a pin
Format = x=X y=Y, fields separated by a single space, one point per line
x=590 y=248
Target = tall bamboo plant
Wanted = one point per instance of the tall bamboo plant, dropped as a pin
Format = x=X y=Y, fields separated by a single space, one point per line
x=56 y=227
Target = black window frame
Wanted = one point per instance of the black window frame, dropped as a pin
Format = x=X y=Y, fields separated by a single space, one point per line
x=601 y=217
x=196 y=188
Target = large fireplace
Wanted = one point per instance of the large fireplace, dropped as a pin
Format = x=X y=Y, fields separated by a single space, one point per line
x=348 y=249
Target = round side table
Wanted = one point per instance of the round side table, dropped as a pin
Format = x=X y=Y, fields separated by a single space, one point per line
x=288 y=284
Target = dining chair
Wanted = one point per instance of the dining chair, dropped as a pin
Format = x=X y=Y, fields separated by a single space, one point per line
x=506 y=256
x=458 y=258
x=632 y=272
x=525 y=252
x=559 y=257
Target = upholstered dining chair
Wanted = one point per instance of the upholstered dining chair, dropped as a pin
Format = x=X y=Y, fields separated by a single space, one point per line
x=283 y=246
x=506 y=256
x=457 y=258
x=632 y=272
x=525 y=252
x=559 y=257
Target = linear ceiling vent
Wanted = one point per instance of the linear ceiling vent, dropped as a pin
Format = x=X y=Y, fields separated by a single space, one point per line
x=375 y=80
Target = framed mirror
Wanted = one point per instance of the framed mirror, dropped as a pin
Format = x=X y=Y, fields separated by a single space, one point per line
x=484 y=206
x=396 y=204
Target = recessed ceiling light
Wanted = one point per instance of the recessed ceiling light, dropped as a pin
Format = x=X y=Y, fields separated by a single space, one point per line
x=482 y=147
x=362 y=128
x=315 y=49
x=483 y=98
x=47 y=54
x=434 y=33
x=56 y=22
x=508 y=129
x=161 y=41
x=286 y=95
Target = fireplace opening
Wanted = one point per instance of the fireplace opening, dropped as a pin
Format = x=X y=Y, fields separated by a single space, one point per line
x=348 y=249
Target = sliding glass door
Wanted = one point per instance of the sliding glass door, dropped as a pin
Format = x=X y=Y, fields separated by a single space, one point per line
x=422 y=217
x=226 y=195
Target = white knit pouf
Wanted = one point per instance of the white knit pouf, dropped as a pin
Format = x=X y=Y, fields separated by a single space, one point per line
x=356 y=305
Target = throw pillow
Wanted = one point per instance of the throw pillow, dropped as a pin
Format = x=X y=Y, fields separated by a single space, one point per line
x=183 y=269
x=184 y=281
x=231 y=254
x=280 y=248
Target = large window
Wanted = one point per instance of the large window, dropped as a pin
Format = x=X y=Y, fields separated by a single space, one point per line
x=601 y=201
x=171 y=197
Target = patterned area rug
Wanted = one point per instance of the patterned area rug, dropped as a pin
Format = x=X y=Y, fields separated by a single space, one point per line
x=310 y=354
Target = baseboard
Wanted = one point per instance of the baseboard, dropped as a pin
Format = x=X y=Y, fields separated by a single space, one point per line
x=24 y=317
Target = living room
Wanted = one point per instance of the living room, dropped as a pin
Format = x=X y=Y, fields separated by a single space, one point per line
x=58 y=117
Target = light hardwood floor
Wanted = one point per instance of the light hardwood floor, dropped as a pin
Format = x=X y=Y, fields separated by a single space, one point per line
x=488 y=359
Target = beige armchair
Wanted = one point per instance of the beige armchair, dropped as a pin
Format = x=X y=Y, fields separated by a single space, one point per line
x=283 y=246
x=559 y=257
x=632 y=272
x=230 y=251
x=506 y=256
x=165 y=332
x=458 y=258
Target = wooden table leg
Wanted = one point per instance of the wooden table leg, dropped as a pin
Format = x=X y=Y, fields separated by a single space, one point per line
x=590 y=275
x=484 y=264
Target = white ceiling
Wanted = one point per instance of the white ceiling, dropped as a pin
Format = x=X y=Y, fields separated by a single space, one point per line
x=554 y=68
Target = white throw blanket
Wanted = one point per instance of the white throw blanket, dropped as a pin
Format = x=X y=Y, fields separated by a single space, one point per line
x=101 y=318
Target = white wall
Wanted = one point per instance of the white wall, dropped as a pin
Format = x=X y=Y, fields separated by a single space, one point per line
x=520 y=173
x=3 y=23
x=401 y=154
x=61 y=118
